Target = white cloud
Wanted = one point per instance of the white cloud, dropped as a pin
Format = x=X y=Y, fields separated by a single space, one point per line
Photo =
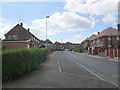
x=109 y=19
x=94 y=7
x=70 y=22
x=57 y=23
x=96 y=33
x=4 y=27
x=61 y=22
x=77 y=38
x=108 y=9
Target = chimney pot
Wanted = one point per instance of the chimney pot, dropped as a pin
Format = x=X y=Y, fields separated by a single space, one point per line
x=21 y=24
x=98 y=32
x=28 y=29
x=118 y=26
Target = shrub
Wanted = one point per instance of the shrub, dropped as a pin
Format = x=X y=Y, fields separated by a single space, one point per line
x=78 y=49
x=15 y=63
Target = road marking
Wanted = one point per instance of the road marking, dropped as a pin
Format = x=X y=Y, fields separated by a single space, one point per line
x=81 y=76
x=59 y=66
x=93 y=73
x=115 y=76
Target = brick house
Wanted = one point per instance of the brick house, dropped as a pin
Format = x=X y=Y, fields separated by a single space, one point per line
x=86 y=43
x=106 y=43
x=58 y=46
x=19 y=37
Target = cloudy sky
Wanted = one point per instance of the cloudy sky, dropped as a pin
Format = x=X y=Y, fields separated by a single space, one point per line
x=70 y=20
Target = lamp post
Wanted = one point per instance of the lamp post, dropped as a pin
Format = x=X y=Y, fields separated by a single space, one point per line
x=46 y=31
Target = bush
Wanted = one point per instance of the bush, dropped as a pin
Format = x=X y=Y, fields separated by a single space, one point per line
x=17 y=62
x=78 y=49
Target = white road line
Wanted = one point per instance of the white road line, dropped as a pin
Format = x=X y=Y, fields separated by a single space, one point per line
x=59 y=66
x=93 y=73
x=81 y=76
x=115 y=76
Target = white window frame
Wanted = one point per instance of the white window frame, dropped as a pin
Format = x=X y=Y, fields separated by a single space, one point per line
x=109 y=38
x=28 y=46
x=118 y=38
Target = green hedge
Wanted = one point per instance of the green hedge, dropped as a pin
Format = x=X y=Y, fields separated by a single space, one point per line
x=78 y=49
x=17 y=62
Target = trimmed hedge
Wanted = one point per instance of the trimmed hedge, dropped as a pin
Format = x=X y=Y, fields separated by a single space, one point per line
x=17 y=62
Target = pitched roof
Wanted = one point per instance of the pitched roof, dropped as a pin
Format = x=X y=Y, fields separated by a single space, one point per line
x=108 y=32
x=21 y=28
x=92 y=36
x=89 y=38
x=17 y=27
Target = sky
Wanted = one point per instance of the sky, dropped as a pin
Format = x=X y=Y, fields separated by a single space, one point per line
x=70 y=20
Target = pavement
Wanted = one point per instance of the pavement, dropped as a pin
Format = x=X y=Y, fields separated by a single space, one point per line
x=65 y=69
x=96 y=56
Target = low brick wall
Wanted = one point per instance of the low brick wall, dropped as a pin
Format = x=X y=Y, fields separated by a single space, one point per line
x=14 y=45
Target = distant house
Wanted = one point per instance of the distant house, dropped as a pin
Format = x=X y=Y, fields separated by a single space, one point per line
x=63 y=46
x=19 y=37
x=86 y=43
x=48 y=42
x=58 y=46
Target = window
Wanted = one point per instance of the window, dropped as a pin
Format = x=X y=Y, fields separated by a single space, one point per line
x=12 y=37
x=118 y=38
x=28 y=46
x=9 y=37
x=15 y=37
x=31 y=37
x=94 y=42
x=109 y=38
x=98 y=40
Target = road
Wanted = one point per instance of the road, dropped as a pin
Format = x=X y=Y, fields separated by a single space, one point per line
x=66 y=69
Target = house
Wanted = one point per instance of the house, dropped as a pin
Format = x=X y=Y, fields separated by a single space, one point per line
x=63 y=46
x=106 y=43
x=86 y=43
x=48 y=43
x=58 y=46
x=19 y=37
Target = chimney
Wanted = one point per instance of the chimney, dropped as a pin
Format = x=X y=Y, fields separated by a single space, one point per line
x=98 y=32
x=21 y=24
x=28 y=29
x=118 y=26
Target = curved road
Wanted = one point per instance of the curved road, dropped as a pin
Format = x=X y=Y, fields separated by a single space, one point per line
x=65 y=69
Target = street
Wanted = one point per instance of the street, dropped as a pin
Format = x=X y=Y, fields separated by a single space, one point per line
x=67 y=69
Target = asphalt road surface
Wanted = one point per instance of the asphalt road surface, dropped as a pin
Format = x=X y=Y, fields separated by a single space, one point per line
x=65 y=69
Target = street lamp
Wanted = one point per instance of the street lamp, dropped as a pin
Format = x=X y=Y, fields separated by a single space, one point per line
x=46 y=30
